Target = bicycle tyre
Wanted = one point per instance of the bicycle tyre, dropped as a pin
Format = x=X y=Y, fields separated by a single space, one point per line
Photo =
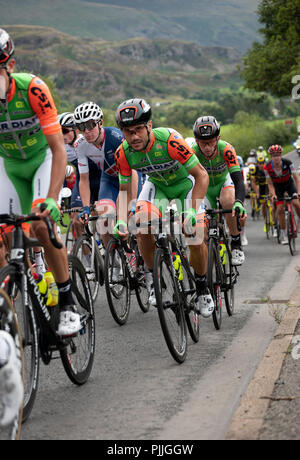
x=214 y=279
x=11 y=282
x=267 y=222
x=9 y=323
x=117 y=292
x=141 y=291
x=192 y=317
x=291 y=233
x=78 y=354
x=94 y=269
x=228 y=277
x=169 y=307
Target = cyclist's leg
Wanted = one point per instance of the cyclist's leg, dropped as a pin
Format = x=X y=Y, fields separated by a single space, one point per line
x=227 y=198
x=107 y=198
x=56 y=258
x=199 y=254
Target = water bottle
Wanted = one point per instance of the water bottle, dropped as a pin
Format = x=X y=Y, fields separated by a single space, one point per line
x=223 y=252
x=52 y=289
x=132 y=260
x=177 y=265
x=43 y=288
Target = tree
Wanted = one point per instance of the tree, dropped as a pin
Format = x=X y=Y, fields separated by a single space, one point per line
x=271 y=65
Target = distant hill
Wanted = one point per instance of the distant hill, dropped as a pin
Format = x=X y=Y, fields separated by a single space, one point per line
x=108 y=72
x=230 y=23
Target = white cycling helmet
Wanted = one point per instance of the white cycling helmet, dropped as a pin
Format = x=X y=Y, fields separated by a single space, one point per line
x=67 y=120
x=88 y=111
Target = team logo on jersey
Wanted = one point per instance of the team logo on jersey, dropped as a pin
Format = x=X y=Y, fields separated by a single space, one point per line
x=19 y=125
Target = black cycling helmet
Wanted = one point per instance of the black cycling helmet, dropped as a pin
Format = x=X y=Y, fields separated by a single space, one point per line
x=133 y=112
x=6 y=47
x=206 y=128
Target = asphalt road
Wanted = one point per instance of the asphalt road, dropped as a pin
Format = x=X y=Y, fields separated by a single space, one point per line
x=137 y=392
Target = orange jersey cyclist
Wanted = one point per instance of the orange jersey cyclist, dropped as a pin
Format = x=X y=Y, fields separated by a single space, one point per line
x=32 y=165
x=225 y=179
x=173 y=173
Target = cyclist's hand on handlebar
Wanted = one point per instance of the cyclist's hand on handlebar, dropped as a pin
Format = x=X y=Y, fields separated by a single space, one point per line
x=51 y=209
x=242 y=211
x=84 y=215
x=189 y=223
x=120 y=230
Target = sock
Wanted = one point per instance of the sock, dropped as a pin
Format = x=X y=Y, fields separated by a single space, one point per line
x=236 y=241
x=201 y=282
x=65 y=294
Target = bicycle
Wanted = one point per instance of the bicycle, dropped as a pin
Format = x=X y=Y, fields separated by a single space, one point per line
x=124 y=273
x=270 y=224
x=221 y=274
x=290 y=222
x=38 y=323
x=174 y=286
x=255 y=206
x=86 y=248
x=9 y=323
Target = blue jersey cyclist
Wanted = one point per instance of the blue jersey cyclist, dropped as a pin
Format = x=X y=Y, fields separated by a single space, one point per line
x=98 y=145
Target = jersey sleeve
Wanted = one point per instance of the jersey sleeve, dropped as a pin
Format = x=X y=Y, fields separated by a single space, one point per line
x=179 y=150
x=122 y=165
x=42 y=103
x=83 y=162
x=231 y=159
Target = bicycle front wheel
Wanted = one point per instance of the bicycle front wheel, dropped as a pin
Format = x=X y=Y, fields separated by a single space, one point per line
x=292 y=232
x=190 y=293
x=117 y=282
x=169 y=306
x=78 y=354
x=9 y=323
x=11 y=282
x=214 y=279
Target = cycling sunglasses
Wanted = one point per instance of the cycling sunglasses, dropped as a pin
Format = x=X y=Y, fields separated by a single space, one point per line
x=66 y=130
x=89 y=125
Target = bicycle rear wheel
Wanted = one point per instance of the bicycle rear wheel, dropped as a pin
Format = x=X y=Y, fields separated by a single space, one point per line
x=78 y=354
x=169 y=306
x=117 y=284
x=11 y=282
x=9 y=323
x=214 y=279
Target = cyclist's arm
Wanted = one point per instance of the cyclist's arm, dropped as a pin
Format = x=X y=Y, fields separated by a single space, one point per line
x=297 y=181
x=271 y=187
x=125 y=181
x=42 y=103
x=234 y=169
x=254 y=185
x=201 y=185
x=179 y=150
x=84 y=189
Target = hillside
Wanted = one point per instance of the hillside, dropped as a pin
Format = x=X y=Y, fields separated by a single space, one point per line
x=231 y=23
x=111 y=71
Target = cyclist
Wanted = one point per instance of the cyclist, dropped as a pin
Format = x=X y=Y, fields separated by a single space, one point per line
x=252 y=157
x=71 y=139
x=33 y=163
x=282 y=178
x=11 y=385
x=262 y=152
x=260 y=187
x=99 y=145
x=225 y=179
x=173 y=173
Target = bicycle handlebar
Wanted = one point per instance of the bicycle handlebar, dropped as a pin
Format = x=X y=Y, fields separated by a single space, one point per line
x=17 y=221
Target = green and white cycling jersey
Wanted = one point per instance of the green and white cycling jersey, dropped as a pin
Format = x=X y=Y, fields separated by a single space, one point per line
x=27 y=117
x=166 y=162
x=219 y=169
